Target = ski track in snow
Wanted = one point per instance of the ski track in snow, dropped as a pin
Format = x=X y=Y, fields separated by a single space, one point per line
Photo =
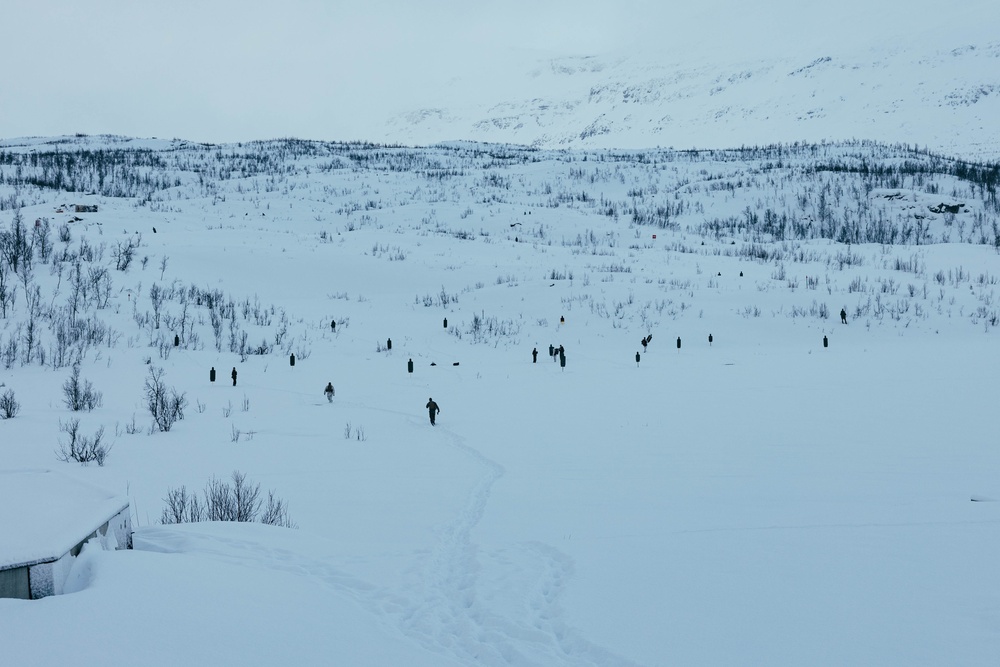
x=451 y=617
x=443 y=610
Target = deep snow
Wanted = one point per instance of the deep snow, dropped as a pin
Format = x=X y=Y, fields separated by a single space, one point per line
x=760 y=500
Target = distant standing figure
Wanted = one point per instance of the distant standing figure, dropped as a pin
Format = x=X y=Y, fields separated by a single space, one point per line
x=552 y=350
x=333 y=325
x=388 y=343
x=432 y=409
x=562 y=320
x=329 y=392
x=234 y=376
x=843 y=316
x=534 y=355
x=645 y=342
x=637 y=358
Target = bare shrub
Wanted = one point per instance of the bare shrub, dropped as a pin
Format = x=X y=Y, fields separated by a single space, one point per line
x=165 y=405
x=124 y=252
x=80 y=394
x=9 y=407
x=79 y=447
x=236 y=500
x=182 y=507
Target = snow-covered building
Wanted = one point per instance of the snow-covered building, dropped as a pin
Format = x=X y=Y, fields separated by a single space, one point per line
x=45 y=519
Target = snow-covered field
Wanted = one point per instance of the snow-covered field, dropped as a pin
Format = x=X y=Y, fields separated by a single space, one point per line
x=760 y=499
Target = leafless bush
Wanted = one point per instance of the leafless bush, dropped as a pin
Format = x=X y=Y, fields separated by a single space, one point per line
x=165 y=405
x=238 y=500
x=182 y=507
x=124 y=252
x=80 y=394
x=9 y=406
x=80 y=447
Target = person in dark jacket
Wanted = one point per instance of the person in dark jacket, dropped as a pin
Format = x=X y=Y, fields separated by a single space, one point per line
x=432 y=409
x=234 y=376
x=534 y=355
x=329 y=392
x=843 y=316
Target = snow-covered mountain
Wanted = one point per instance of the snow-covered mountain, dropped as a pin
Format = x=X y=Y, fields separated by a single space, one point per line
x=582 y=74
x=942 y=98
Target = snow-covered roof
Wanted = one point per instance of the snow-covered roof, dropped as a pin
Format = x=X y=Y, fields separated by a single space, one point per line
x=44 y=514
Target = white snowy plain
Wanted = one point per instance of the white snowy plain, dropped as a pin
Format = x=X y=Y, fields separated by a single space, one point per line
x=760 y=500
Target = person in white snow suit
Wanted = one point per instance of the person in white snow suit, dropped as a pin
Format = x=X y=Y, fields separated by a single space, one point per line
x=433 y=409
x=329 y=392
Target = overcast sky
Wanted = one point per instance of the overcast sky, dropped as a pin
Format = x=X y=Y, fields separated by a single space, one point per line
x=228 y=70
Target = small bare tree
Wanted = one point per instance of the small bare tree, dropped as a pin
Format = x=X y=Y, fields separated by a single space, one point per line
x=9 y=407
x=80 y=447
x=182 y=507
x=124 y=252
x=238 y=500
x=156 y=299
x=80 y=394
x=165 y=405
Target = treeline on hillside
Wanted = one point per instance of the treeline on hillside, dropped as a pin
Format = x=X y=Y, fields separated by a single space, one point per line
x=785 y=192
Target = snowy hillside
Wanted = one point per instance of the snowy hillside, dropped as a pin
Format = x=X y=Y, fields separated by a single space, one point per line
x=944 y=99
x=558 y=74
x=763 y=481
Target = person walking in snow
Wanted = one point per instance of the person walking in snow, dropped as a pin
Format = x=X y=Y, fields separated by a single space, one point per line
x=843 y=316
x=432 y=409
x=234 y=376
x=329 y=392
x=534 y=355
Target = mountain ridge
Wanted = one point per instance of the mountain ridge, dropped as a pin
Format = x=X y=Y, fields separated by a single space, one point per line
x=942 y=99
